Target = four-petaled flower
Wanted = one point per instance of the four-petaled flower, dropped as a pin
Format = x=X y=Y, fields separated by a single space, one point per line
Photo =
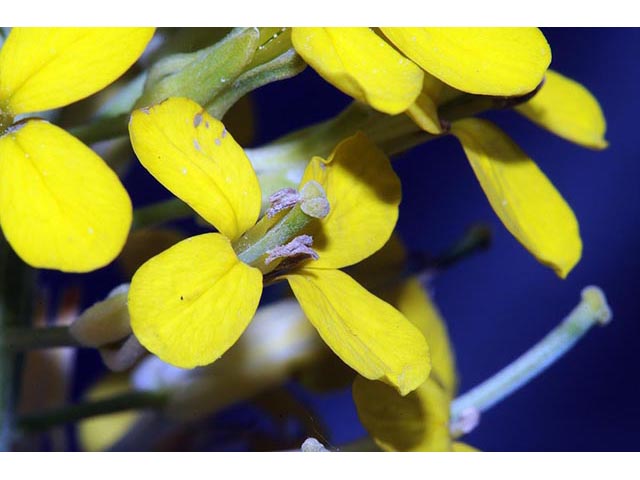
x=61 y=206
x=189 y=304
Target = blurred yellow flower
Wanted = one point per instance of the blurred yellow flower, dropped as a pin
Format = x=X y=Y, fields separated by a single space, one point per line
x=419 y=421
x=61 y=207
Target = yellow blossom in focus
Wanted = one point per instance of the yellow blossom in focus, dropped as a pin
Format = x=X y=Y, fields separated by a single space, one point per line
x=61 y=206
x=189 y=304
x=417 y=70
x=386 y=70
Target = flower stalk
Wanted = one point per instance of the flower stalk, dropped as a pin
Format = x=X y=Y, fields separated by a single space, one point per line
x=17 y=283
x=20 y=339
x=74 y=413
x=160 y=212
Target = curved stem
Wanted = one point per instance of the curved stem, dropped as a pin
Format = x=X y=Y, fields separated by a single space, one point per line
x=161 y=212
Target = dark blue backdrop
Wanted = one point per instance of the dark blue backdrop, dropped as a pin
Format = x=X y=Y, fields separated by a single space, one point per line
x=499 y=303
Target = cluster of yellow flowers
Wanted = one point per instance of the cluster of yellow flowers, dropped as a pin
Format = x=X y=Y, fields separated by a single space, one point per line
x=62 y=207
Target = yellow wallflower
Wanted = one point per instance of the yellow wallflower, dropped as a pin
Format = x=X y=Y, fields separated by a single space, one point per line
x=418 y=421
x=61 y=207
x=485 y=61
x=387 y=71
x=189 y=304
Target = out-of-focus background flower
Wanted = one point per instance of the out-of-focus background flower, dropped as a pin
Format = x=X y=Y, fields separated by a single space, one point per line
x=498 y=303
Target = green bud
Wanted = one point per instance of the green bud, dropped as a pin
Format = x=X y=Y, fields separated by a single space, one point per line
x=201 y=75
x=105 y=322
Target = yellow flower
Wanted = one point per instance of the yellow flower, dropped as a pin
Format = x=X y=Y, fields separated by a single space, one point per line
x=189 y=304
x=484 y=61
x=418 y=421
x=519 y=192
x=61 y=207
x=369 y=67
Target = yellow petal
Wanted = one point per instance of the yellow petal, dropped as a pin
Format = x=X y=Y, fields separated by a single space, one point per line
x=61 y=206
x=189 y=304
x=463 y=447
x=362 y=65
x=44 y=68
x=363 y=192
x=418 y=422
x=425 y=113
x=99 y=433
x=521 y=195
x=193 y=155
x=367 y=333
x=486 y=61
x=414 y=302
x=569 y=110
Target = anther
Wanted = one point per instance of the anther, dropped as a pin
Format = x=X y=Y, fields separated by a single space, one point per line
x=299 y=246
x=282 y=200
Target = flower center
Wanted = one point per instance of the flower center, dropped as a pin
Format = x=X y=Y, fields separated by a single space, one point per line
x=279 y=234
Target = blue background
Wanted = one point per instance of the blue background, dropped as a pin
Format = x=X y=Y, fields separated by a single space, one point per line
x=498 y=303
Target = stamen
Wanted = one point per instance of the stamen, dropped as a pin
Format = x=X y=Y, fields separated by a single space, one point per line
x=299 y=246
x=282 y=200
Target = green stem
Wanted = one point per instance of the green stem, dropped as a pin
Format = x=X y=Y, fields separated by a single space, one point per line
x=285 y=66
x=274 y=41
x=299 y=147
x=392 y=133
x=475 y=239
x=73 y=413
x=592 y=310
x=24 y=338
x=105 y=128
x=161 y=212
x=17 y=282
